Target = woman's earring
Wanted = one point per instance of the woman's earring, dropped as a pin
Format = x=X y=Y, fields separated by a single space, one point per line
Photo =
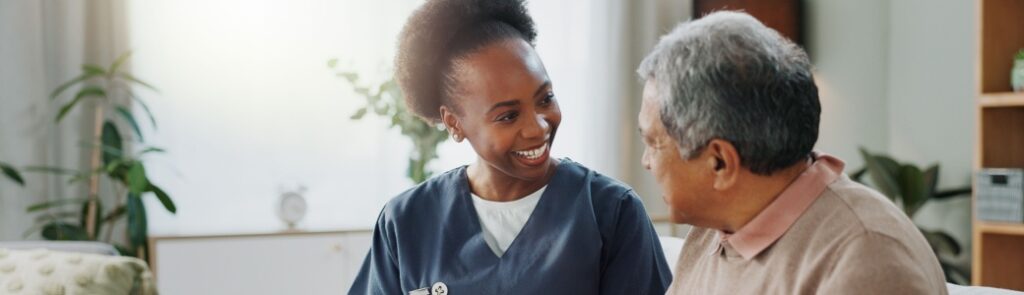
x=456 y=137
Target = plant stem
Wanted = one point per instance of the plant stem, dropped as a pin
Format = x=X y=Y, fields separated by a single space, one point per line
x=120 y=202
x=94 y=180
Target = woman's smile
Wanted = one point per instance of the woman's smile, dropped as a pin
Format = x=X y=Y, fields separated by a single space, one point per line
x=533 y=156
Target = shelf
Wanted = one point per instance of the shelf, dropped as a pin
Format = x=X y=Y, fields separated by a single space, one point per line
x=1004 y=228
x=998 y=247
x=1001 y=35
x=1002 y=99
x=1002 y=136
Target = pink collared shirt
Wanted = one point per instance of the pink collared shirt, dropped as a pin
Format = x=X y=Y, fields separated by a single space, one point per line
x=769 y=225
x=824 y=234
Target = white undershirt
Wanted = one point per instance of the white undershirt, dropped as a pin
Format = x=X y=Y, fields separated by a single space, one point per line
x=501 y=222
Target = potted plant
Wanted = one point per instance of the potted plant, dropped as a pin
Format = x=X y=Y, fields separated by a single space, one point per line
x=110 y=160
x=910 y=187
x=385 y=99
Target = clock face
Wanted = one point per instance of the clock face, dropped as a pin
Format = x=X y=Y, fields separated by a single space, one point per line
x=292 y=208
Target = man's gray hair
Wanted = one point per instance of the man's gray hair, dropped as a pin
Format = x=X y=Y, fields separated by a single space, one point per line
x=729 y=77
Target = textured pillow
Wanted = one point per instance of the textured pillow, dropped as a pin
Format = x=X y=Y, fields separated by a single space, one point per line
x=41 y=271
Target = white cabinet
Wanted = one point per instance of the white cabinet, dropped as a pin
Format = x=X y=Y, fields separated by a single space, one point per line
x=282 y=263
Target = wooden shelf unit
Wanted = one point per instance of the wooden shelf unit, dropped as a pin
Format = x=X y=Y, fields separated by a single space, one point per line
x=998 y=251
x=1001 y=100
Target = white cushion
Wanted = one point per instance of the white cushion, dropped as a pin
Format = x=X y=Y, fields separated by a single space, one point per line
x=41 y=271
x=672 y=247
x=63 y=246
x=964 y=290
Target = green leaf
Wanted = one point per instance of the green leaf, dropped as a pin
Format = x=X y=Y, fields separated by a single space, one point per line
x=118 y=170
x=151 y=150
x=125 y=251
x=164 y=198
x=55 y=216
x=12 y=173
x=54 y=170
x=943 y=244
x=359 y=114
x=931 y=180
x=331 y=63
x=113 y=165
x=60 y=89
x=963 y=191
x=882 y=177
x=350 y=77
x=85 y=92
x=115 y=214
x=889 y=164
x=110 y=138
x=137 y=181
x=93 y=69
x=106 y=150
x=145 y=107
x=127 y=116
x=120 y=61
x=137 y=227
x=365 y=92
x=912 y=188
x=62 y=231
x=859 y=174
x=56 y=203
x=131 y=78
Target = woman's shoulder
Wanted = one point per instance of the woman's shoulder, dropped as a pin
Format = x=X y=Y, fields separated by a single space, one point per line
x=427 y=194
x=615 y=204
x=602 y=187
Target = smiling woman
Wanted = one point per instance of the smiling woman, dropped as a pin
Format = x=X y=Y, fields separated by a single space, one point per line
x=477 y=229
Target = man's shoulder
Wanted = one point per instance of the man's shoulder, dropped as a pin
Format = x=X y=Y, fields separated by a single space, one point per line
x=850 y=213
x=868 y=211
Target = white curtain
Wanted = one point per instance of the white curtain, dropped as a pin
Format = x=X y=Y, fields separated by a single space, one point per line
x=44 y=44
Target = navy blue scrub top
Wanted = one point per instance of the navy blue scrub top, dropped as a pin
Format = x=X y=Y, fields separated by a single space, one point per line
x=589 y=234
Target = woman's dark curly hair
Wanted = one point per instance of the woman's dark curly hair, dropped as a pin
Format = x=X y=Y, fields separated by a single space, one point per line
x=442 y=31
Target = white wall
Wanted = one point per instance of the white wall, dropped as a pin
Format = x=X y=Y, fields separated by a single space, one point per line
x=932 y=47
x=847 y=44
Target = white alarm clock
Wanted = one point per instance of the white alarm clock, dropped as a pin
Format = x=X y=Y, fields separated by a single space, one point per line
x=292 y=207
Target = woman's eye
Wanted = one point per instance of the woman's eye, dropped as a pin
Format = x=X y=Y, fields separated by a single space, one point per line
x=547 y=99
x=508 y=116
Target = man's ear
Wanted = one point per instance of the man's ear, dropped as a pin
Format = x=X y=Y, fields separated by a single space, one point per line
x=451 y=122
x=724 y=162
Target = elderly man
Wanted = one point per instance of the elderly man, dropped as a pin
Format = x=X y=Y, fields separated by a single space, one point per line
x=729 y=119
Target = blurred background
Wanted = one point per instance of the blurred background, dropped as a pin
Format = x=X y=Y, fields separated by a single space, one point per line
x=234 y=106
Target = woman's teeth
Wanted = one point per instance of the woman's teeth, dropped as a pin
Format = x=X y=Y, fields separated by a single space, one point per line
x=532 y=154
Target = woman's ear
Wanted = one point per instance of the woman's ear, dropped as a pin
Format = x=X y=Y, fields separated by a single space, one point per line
x=724 y=162
x=451 y=122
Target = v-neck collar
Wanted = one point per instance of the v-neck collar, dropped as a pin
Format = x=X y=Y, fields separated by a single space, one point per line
x=464 y=198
